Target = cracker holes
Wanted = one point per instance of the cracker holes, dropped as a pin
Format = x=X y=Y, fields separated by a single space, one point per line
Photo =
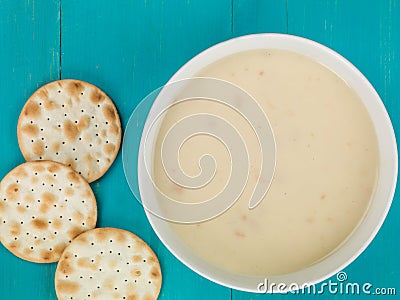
x=106 y=122
x=31 y=122
x=59 y=91
x=149 y=281
x=76 y=122
x=40 y=103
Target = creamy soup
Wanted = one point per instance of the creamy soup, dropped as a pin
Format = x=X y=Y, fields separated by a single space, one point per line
x=326 y=166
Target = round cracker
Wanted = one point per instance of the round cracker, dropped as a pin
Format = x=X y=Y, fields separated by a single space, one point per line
x=43 y=207
x=72 y=122
x=108 y=263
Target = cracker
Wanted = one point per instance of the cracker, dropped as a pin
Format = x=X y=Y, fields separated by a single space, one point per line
x=72 y=122
x=43 y=207
x=108 y=263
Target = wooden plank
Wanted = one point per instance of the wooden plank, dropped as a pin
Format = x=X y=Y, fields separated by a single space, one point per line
x=29 y=57
x=368 y=36
x=128 y=49
x=256 y=16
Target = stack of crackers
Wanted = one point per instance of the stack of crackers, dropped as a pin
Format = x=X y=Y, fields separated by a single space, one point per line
x=69 y=132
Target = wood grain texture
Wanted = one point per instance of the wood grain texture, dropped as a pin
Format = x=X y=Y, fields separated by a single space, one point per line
x=29 y=57
x=129 y=48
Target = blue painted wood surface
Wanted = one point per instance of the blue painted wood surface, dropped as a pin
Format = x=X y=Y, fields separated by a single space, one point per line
x=129 y=48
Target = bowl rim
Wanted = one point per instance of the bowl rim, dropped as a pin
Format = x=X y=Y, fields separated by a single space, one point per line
x=378 y=113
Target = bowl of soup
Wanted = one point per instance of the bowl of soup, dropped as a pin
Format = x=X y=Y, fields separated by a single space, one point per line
x=330 y=179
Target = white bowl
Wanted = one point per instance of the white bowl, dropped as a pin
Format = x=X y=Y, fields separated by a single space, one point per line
x=380 y=202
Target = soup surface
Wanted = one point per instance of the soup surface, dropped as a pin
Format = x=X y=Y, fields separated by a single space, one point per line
x=326 y=166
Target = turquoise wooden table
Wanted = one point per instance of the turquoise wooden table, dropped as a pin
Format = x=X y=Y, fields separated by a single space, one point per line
x=129 y=48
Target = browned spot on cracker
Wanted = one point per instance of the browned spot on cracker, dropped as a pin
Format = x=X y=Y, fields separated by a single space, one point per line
x=73 y=177
x=56 y=146
x=32 y=110
x=20 y=172
x=38 y=168
x=75 y=231
x=50 y=104
x=14 y=245
x=15 y=229
x=101 y=235
x=38 y=148
x=65 y=266
x=49 y=198
x=43 y=94
x=244 y=217
x=46 y=255
x=121 y=237
x=68 y=287
x=83 y=123
x=21 y=209
x=96 y=96
x=109 y=284
x=78 y=216
x=148 y=297
x=103 y=133
x=109 y=113
x=54 y=168
x=136 y=273
x=28 y=198
x=69 y=192
x=2 y=206
x=240 y=233
x=12 y=192
x=70 y=130
x=136 y=258
x=155 y=272
x=57 y=224
x=261 y=73
x=84 y=262
x=74 y=88
x=112 y=264
x=109 y=149
x=39 y=224
x=132 y=297
x=58 y=249
x=30 y=130
x=44 y=208
x=322 y=197
x=114 y=129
